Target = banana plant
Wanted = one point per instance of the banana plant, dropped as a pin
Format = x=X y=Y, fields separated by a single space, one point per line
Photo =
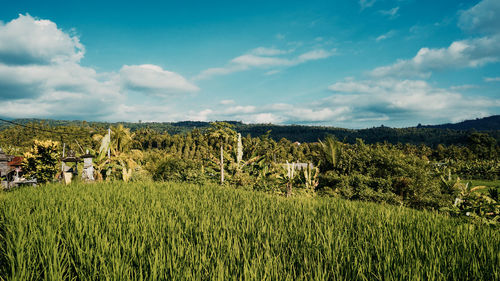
x=120 y=159
x=311 y=176
x=473 y=202
x=288 y=177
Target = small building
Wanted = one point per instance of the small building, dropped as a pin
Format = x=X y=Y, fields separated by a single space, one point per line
x=11 y=172
x=67 y=170
x=88 y=167
x=16 y=170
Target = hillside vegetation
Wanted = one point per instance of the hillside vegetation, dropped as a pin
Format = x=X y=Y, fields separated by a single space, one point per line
x=179 y=231
x=415 y=176
x=430 y=135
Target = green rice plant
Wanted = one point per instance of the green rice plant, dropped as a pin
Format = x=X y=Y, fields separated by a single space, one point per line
x=174 y=231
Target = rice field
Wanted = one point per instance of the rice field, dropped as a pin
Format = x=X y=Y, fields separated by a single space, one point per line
x=178 y=231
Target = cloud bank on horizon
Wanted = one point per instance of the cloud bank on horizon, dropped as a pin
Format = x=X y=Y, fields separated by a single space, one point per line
x=345 y=78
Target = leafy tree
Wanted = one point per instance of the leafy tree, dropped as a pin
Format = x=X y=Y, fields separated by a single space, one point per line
x=41 y=161
x=222 y=133
x=483 y=145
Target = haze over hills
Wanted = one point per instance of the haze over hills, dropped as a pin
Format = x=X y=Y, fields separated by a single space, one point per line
x=428 y=134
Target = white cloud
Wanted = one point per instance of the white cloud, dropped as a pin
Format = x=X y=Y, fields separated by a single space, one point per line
x=265 y=58
x=263 y=118
x=56 y=90
x=460 y=54
x=263 y=51
x=280 y=36
x=272 y=72
x=40 y=76
x=491 y=79
x=467 y=53
x=216 y=71
x=351 y=104
x=275 y=113
x=484 y=17
x=366 y=3
x=314 y=55
x=201 y=115
x=384 y=36
x=27 y=40
x=152 y=79
x=250 y=60
x=391 y=13
x=407 y=98
x=463 y=87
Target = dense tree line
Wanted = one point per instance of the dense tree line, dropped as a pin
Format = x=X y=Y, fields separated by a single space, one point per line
x=446 y=134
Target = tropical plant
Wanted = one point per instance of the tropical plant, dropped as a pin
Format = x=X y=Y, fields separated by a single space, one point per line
x=288 y=177
x=41 y=161
x=331 y=149
x=473 y=202
x=222 y=133
x=115 y=158
x=311 y=176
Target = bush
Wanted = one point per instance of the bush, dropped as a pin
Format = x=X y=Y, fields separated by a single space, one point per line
x=41 y=162
x=175 y=169
x=383 y=173
x=478 y=169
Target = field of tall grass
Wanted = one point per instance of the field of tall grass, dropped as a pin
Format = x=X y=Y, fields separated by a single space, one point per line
x=178 y=231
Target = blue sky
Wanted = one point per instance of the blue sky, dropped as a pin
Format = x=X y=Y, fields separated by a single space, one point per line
x=349 y=64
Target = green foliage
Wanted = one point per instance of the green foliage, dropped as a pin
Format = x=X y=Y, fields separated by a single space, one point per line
x=353 y=169
x=122 y=161
x=471 y=202
x=20 y=136
x=41 y=161
x=384 y=173
x=483 y=145
x=132 y=231
x=175 y=169
x=331 y=149
x=477 y=169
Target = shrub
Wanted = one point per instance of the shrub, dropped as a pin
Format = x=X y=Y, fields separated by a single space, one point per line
x=384 y=173
x=41 y=161
x=175 y=169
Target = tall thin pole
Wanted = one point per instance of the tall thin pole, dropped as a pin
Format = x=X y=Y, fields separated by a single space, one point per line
x=221 y=164
x=109 y=145
x=62 y=163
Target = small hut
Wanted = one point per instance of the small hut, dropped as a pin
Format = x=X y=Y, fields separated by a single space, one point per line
x=15 y=166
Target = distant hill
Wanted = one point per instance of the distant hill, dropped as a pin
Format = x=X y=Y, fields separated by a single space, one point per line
x=479 y=124
x=429 y=134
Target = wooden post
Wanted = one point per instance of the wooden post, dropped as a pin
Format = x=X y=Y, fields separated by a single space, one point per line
x=221 y=164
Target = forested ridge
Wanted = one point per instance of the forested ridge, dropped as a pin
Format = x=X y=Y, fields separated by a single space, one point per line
x=430 y=135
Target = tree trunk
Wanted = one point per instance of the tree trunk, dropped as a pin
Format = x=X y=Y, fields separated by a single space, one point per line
x=221 y=164
x=288 y=189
